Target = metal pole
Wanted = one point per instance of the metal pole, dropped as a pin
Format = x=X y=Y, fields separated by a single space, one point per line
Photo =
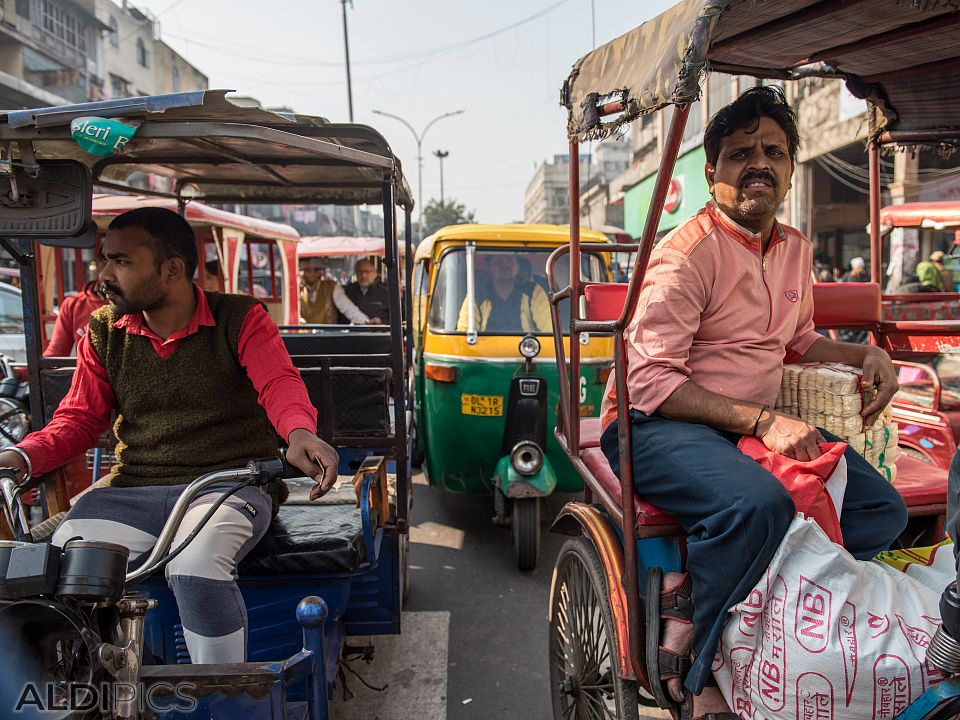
x=593 y=24
x=876 y=249
x=419 y=186
x=440 y=155
x=574 y=371
x=419 y=139
x=346 y=50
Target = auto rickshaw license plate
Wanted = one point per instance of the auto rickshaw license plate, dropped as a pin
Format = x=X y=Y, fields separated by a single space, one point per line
x=485 y=405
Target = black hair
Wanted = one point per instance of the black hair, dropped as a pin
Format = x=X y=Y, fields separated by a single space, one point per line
x=745 y=112
x=172 y=235
x=211 y=267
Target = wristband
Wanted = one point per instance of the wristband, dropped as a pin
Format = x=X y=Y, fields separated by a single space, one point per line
x=756 y=423
x=26 y=458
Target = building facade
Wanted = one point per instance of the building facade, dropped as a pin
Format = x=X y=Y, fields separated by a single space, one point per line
x=828 y=200
x=547 y=198
x=134 y=58
x=55 y=52
x=49 y=53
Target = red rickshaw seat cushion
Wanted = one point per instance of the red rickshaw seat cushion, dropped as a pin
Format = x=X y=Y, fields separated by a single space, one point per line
x=920 y=483
x=647 y=514
x=842 y=305
x=846 y=304
x=604 y=301
x=590 y=432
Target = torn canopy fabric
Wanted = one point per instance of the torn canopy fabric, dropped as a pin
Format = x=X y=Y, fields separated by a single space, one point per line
x=902 y=55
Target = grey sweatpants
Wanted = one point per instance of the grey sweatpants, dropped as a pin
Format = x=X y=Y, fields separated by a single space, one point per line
x=203 y=576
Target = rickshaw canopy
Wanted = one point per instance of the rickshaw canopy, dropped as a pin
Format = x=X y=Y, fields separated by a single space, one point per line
x=242 y=154
x=505 y=235
x=339 y=246
x=904 y=57
x=936 y=215
x=106 y=207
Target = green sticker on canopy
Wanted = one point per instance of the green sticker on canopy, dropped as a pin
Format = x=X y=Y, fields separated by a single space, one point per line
x=101 y=136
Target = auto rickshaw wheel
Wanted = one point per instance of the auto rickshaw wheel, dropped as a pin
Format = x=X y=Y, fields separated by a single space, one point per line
x=584 y=683
x=525 y=521
x=417 y=454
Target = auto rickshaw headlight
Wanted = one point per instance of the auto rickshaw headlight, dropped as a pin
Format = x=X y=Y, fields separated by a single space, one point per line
x=529 y=347
x=526 y=457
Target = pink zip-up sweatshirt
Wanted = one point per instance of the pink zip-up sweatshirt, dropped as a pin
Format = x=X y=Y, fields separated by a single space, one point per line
x=715 y=310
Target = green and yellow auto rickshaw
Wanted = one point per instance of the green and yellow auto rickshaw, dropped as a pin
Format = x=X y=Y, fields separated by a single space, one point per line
x=486 y=384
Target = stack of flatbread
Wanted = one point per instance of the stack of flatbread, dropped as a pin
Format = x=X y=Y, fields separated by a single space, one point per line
x=831 y=396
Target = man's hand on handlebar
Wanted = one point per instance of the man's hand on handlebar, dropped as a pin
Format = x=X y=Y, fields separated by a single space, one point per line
x=314 y=457
x=790 y=436
x=10 y=459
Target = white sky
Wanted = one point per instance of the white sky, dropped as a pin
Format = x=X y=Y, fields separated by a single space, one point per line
x=413 y=58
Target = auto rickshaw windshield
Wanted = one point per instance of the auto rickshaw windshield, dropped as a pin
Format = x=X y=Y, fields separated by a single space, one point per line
x=509 y=290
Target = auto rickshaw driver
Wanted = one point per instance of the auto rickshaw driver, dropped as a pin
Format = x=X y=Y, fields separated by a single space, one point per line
x=727 y=295
x=201 y=382
x=504 y=303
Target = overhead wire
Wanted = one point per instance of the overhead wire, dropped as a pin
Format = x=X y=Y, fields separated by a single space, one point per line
x=274 y=59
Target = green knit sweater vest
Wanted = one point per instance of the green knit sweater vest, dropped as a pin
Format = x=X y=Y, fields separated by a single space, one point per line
x=190 y=414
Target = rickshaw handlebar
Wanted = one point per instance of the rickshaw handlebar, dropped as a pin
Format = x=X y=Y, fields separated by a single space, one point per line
x=257 y=472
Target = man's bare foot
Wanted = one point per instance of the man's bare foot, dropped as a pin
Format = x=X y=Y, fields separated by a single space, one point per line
x=709 y=701
x=676 y=636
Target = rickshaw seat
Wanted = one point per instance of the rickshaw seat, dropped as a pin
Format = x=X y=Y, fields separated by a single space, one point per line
x=308 y=539
x=604 y=301
x=646 y=513
x=836 y=305
x=921 y=484
x=846 y=305
x=590 y=432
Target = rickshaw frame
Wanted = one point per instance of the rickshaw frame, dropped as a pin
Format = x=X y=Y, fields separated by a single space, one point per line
x=612 y=87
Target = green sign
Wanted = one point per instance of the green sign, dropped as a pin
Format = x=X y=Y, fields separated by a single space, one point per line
x=101 y=136
x=686 y=195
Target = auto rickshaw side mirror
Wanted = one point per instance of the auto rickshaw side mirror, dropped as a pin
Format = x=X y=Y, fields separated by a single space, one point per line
x=50 y=201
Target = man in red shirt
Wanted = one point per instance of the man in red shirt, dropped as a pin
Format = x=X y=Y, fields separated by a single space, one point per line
x=200 y=381
x=73 y=316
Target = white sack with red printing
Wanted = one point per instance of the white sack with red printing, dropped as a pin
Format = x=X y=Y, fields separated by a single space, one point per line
x=824 y=636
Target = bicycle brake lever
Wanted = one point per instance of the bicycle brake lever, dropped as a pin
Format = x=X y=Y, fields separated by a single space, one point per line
x=266 y=470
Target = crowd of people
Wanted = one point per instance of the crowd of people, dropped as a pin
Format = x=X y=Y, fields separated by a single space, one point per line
x=323 y=300
x=930 y=275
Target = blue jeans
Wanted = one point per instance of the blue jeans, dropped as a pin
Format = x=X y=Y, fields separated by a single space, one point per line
x=735 y=513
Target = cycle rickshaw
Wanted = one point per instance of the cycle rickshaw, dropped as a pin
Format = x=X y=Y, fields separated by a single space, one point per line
x=324 y=571
x=905 y=59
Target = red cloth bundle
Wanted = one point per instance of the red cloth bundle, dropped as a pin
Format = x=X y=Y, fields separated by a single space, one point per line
x=805 y=480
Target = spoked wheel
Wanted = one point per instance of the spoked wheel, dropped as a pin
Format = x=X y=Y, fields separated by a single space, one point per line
x=525 y=521
x=584 y=684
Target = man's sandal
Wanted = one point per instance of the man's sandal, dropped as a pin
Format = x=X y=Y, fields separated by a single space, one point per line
x=674 y=603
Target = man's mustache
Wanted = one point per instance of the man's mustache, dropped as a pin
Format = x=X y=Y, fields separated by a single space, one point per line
x=758 y=175
x=112 y=289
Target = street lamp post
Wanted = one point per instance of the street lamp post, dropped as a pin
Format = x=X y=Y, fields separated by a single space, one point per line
x=419 y=139
x=440 y=155
x=346 y=50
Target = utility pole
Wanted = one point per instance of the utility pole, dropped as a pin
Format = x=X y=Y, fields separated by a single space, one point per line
x=440 y=155
x=346 y=50
x=419 y=139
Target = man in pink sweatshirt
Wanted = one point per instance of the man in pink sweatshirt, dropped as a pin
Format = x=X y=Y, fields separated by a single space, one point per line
x=726 y=300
